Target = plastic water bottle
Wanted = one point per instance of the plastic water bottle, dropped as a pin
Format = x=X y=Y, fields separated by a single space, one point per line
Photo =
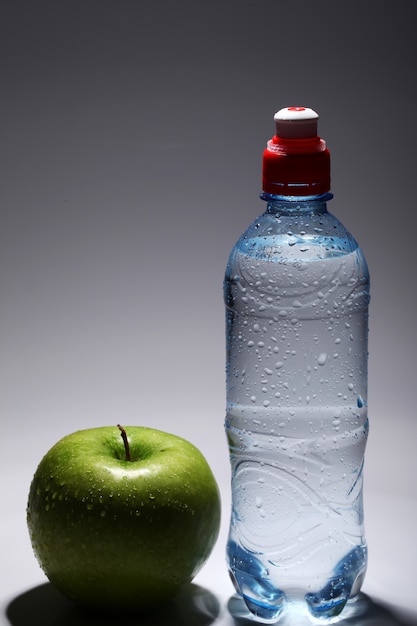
x=297 y=293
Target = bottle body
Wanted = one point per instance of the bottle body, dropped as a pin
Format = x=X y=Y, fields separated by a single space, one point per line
x=296 y=294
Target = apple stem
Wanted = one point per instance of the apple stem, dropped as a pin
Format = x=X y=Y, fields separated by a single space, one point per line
x=125 y=441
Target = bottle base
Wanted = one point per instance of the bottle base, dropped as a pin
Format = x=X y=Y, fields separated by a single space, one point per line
x=295 y=613
x=259 y=599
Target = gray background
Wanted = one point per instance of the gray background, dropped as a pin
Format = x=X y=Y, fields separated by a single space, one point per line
x=131 y=141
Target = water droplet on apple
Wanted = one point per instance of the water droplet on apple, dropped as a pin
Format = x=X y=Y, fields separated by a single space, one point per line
x=151 y=496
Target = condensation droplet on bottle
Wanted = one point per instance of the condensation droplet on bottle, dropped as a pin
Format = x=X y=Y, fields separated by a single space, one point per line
x=360 y=401
x=322 y=358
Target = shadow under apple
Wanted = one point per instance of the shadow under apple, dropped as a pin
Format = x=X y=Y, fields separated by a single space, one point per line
x=193 y=606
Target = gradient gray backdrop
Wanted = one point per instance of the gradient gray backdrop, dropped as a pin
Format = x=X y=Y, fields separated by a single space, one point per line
x=131 y=141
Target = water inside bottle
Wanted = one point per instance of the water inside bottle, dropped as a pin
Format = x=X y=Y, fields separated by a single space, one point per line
x=296 y=423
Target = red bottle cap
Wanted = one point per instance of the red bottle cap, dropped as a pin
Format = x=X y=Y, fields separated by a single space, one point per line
x=296 y=161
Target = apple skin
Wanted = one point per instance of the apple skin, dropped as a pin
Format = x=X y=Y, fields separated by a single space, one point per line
x=120 y=535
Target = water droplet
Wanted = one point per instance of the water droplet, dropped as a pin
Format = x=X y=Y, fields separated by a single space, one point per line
x=268 y=371
x=279 y=364
x=256 y=328
x=322 y=358
x=360 y=402
x=250 y=344
x=258 y=502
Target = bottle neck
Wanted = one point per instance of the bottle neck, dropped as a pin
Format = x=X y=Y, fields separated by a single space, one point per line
x=291 y=205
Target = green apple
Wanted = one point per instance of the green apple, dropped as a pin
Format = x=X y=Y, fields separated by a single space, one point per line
x=120 y=519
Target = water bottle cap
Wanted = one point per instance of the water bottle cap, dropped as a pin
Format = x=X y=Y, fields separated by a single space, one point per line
x=296 y=123
x=296 y=161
